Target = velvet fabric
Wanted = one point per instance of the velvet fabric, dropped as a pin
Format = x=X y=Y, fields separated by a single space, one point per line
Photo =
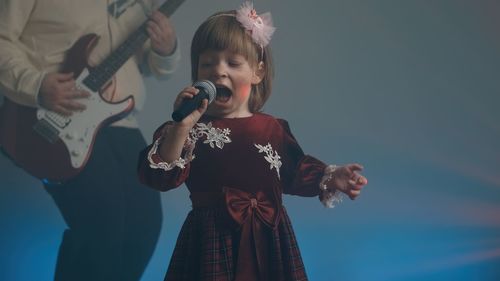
x=241 y=168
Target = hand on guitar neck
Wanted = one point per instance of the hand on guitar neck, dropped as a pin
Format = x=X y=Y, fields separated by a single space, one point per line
x=161 y=33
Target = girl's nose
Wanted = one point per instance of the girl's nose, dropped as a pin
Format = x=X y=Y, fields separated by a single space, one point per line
x=220 y=70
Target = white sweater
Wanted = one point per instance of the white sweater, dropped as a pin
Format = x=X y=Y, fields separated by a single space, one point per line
x=35 y=35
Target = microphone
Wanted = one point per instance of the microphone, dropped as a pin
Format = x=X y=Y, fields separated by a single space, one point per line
x=207 y=91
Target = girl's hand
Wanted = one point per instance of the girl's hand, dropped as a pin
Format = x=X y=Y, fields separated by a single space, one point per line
x=174 y=136
x=348 y=180
x=190 y=120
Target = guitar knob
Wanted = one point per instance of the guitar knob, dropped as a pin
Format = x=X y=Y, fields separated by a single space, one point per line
x=75 y=153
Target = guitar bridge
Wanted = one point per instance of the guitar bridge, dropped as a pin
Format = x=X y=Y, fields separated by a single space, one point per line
x=46 y=130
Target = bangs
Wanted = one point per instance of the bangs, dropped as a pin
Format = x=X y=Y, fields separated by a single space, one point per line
x=223 y=32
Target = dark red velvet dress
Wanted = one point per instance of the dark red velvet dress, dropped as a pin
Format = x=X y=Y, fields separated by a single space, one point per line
x=238 y=228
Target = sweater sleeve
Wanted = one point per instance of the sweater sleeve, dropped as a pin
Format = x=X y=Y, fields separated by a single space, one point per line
x=161 y=67
x=20 y=79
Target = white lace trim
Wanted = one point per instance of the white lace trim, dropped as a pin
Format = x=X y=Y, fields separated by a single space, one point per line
x=330 y=198
x=181 y=162
x=273 y=159
x=214 y=136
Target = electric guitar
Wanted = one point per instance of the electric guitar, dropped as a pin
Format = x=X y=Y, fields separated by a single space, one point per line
x=53 y=147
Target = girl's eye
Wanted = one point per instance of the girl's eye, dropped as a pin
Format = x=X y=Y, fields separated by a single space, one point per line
x=234 y=63
x=205 y=64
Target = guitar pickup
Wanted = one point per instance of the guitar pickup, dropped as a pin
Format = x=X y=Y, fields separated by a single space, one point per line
x=59 y=120
x=46 y=130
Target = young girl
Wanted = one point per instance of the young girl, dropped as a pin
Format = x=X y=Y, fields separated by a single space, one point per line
x=237 y=162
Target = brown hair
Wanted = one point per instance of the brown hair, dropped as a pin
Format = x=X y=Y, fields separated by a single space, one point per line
x=222 y=31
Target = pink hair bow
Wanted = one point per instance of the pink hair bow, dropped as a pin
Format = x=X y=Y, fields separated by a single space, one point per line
x=260 y=27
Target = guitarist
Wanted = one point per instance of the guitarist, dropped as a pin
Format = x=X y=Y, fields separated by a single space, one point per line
x=113 y=222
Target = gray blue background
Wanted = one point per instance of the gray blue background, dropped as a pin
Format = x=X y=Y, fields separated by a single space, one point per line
x=408 y=88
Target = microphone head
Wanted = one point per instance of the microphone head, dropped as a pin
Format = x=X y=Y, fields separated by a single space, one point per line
x=208 y=87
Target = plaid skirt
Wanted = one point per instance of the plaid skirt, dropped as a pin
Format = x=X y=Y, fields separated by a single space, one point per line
x=207 y=249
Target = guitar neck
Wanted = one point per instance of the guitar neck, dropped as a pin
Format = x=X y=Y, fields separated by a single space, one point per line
x=104 y=71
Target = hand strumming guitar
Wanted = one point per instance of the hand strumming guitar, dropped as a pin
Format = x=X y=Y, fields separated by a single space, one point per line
x=58 y=93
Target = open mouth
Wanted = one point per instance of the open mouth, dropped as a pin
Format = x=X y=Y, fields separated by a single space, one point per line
x=223 y=94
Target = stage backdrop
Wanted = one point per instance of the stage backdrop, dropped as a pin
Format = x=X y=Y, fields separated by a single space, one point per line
x=410 y=89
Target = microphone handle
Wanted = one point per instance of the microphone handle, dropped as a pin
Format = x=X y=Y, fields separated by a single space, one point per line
x=189 y=106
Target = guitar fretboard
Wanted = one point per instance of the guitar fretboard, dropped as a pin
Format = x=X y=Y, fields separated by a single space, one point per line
x=103 y=72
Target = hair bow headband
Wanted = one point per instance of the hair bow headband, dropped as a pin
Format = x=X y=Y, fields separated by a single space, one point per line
x=260 y=27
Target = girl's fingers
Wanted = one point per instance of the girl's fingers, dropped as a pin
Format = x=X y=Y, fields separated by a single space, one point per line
x=204 y=106
x=354 y=193
x=356 y=187
x=199 y=112
x=358 y=183
x=354 y=167
x=362 y=180
x=187 y=93
x=190 y=90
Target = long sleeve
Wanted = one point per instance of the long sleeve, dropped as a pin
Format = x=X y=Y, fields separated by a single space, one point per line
x=153 y=64
x=162 y=67
x=302 y=173
x=20 y=78
x=152 y=170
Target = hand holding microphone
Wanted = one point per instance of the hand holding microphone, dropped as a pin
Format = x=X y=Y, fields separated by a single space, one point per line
x=192 y=101
x=188 y=108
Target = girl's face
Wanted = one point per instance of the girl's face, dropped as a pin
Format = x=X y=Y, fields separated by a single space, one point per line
x=233 y=76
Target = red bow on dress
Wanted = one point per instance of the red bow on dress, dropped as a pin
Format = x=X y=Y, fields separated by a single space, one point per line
x=257 y=217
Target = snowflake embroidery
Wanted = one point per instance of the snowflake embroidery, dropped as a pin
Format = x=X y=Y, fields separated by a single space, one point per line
x=214 y=136
x=273 y=159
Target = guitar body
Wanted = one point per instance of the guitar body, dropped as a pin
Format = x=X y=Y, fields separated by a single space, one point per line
x=53 y=147
x=56 y=148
